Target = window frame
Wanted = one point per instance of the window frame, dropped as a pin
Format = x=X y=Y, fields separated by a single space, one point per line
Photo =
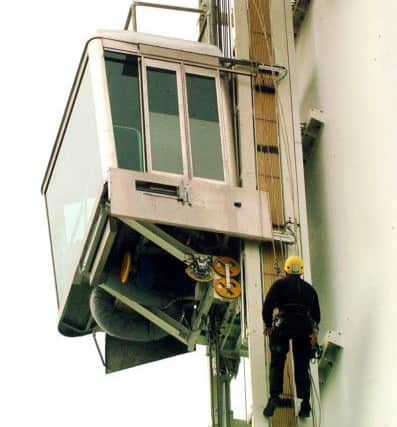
x=181 y=70
x=134 y=53
x=164 y=65
x=198 y=71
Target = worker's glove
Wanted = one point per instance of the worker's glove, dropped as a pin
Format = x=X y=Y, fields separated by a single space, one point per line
x=314 y=337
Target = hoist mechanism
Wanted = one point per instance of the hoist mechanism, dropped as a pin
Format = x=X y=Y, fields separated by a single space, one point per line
x=155 y=218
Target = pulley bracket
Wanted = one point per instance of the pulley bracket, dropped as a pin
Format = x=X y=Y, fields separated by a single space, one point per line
x=200 y=268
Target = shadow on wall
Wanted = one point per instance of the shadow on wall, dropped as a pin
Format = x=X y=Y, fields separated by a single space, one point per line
x=319 y=236
x=316 y=200
x=310 y=97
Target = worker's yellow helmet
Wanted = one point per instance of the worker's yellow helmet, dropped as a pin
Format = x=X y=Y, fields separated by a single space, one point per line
x=294 y=265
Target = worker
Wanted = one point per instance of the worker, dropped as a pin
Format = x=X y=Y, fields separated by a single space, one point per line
x=298 y=316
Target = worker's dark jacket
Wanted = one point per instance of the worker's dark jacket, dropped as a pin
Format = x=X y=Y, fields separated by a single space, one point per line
x=297 y=302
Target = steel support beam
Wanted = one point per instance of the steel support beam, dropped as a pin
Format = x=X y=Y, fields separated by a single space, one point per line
x=160 y=238
x=204 y=308
x=228 y=321
x=156 y=316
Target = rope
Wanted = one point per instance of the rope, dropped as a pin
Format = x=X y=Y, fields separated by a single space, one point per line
x=316 y=394
x=296 y=209
x=98 y=349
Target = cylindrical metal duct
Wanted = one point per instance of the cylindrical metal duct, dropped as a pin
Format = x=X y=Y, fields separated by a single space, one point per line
x=125 y=323
x=121 y=324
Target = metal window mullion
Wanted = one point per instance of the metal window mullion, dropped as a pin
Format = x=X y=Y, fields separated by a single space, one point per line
x=143 y=114
x=183 y=123
x=222 y=124
x=146 y=113
x=189 y=156
x=103 y=109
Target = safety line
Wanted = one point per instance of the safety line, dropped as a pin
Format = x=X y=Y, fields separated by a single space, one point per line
x=318 y=401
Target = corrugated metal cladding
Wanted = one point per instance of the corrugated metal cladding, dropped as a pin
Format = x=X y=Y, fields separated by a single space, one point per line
x=268 y=163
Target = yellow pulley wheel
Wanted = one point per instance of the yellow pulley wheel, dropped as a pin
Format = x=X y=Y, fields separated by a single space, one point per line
x=126 y=266
x=220 y=266
x=204 y=278
x=231 y=292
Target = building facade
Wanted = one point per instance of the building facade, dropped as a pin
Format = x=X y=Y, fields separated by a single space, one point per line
x=345 y=63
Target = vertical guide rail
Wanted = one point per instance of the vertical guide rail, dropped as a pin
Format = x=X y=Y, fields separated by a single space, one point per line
x=214 y=380
x=220 y=381
x=252 y=253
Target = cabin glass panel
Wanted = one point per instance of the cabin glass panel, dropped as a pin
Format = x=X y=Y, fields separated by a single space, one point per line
x=74 y=187
x=205 y=136
x=122 y=73
x=164 y=121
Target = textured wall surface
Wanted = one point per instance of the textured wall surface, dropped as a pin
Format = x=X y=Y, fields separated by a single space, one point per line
x=346 y=63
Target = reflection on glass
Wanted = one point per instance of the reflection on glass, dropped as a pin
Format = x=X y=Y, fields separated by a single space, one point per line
x=204 y=128
x=75 y=184
x=123 y=82
x=165 y=134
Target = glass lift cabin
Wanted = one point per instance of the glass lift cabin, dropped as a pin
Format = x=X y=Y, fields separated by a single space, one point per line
x=146 y=211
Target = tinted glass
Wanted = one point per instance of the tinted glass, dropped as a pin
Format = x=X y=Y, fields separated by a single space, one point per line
x=165 y=133
x=123 y=82
x=76 y=183
x=204 y=128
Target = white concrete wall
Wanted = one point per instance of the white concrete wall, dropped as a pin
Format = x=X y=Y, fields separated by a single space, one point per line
x=347 y=66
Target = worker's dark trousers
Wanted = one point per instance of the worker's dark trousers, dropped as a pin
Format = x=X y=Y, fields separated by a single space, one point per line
x=301 y=347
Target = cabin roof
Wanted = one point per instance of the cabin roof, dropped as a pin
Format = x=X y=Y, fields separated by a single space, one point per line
x=161 y=41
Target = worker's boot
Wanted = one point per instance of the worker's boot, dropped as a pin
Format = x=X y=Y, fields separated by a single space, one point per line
x=305 y=409
x=271 y=406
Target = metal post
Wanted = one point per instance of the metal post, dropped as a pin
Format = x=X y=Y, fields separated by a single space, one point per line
x=131 y=17
x=212 y=21
x=132 y=11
